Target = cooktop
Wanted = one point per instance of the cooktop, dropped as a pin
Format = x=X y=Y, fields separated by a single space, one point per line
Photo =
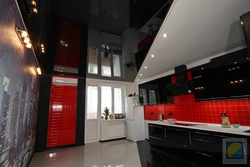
x=247 y=131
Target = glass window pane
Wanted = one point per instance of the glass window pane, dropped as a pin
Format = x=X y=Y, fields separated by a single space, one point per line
x=152 y=97
x=116 y=62
x=93 y=61
x=92 y=102
x=106 y=61
x=117 y=100
x=106 y=98
x=143 y=94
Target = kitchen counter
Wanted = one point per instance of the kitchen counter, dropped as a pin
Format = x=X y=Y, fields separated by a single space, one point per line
x=207 y=127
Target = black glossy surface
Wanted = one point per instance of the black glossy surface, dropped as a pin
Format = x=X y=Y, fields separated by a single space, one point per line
x=226 y=82
x=159 y=87
x=151 y=157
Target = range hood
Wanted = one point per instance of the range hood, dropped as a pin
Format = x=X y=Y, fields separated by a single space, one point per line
x=182 y=85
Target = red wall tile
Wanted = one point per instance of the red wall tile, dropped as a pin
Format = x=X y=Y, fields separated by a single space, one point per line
x=185 y=108
x=62 y=121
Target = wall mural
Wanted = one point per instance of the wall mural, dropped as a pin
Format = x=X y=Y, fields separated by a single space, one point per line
x=19 y=91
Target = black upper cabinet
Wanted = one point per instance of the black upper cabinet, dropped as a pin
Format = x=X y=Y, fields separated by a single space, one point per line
x=237 y=80
x=209 y=84
x=155 y=92
x=232 y=81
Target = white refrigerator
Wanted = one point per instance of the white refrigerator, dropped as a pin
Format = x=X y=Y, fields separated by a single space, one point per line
x=134 y=120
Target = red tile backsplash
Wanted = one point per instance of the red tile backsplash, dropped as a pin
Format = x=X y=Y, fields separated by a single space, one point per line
x=185 y=108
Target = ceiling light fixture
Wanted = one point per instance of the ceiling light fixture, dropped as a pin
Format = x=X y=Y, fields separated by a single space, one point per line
x=140 y=74
x=152 y=55
x=138 y=80
x=202 y=68
x=145 y=67
x=24 y=37
x=235 y=62
x=241 y=22
x=165 y=35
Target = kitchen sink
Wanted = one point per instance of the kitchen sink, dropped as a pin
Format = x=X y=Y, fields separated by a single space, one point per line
x=184 y=124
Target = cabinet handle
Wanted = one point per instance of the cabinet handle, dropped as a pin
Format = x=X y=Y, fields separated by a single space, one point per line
x=221 y=136
x=207 y=155
x=178 y=144
x=179 y=130
x=155 y=126
x=240 y=96
x=165 y=133
x=207 y=141
x=200 y=133
x=156 y=138
x=190 y=139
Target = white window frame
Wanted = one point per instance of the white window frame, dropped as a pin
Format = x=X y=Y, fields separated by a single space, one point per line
x=99 y=109
x=99 y=62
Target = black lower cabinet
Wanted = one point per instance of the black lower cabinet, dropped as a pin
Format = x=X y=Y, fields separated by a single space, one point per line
x=202 y=148
x=157 y=136
x=198 y=147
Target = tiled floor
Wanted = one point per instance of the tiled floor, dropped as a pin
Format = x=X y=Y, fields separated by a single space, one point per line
x=119 y=153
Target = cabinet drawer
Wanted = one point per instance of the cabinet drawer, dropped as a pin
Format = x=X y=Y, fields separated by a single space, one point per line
x=157 y=132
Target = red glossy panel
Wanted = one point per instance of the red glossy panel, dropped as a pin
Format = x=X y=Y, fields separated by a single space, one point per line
x=68 y=45
x=62 y=116
x=173 y=79
x=185 y=108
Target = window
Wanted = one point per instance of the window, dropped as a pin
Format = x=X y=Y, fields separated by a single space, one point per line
x=117 y=100
x=110 y=61
x=110 y=96
x=92 y=102
x=106 y=100
x=117 y=63
x=93 y=61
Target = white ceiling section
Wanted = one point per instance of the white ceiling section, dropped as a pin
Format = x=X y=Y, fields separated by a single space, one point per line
x=196 y=30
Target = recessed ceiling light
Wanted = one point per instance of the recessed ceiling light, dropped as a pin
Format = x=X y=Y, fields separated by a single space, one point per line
x=235 y=62
x=140 y=74
x=165 y=35
x=137 y=79
x=202 y=68
x=241 y=22
x=152 y=55
x=146 y=67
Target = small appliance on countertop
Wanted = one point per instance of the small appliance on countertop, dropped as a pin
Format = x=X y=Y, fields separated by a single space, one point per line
x=161 y=117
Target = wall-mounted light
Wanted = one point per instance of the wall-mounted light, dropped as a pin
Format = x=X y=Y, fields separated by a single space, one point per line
x=38 y=70
x=199 y=88
x=32 y=6
x=42 y=48
x=198 y=77
x=236 y=81
x=24 y=37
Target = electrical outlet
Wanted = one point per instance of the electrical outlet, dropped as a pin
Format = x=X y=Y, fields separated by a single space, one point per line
x=170 y=113
x=152 y=113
